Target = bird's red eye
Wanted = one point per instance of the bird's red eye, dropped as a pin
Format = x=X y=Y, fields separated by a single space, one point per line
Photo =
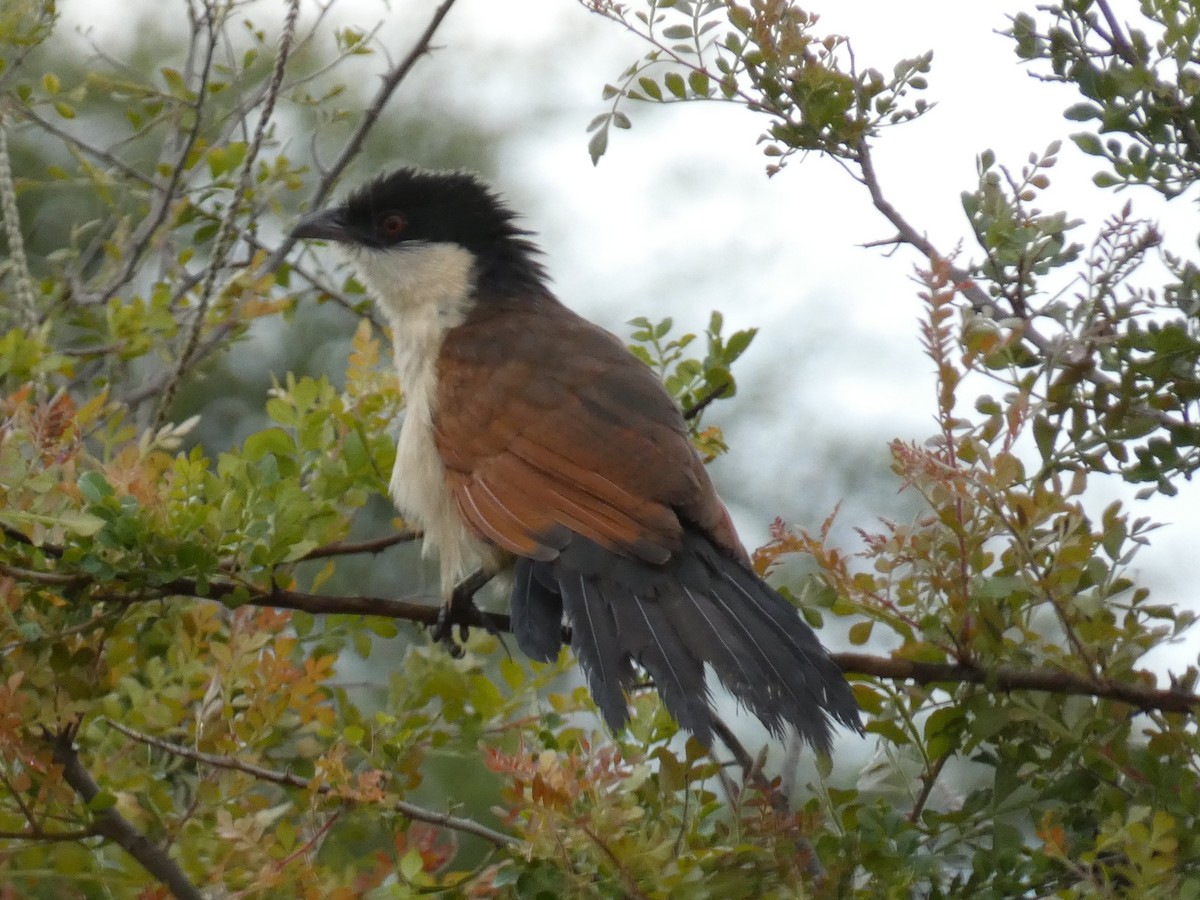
x=392 y=224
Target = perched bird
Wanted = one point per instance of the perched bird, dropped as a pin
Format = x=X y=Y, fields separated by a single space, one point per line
x=533 y=439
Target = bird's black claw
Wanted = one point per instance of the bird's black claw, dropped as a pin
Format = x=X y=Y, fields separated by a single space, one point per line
x=460 y=610
x=442 y=630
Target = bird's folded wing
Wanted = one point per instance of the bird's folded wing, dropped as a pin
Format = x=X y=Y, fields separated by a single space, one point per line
x=548 y=427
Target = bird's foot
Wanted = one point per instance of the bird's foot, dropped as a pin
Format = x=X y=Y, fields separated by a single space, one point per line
x=459 y=610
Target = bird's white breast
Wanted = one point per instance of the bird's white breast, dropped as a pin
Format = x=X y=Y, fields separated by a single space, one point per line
x=424 y=291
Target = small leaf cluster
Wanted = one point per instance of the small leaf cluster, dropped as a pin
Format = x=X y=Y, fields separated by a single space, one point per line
x=694 y=382
x=770 y=59
x=1022 y=243
x=644 y=817
x=1117 y=363
x=1140 y=86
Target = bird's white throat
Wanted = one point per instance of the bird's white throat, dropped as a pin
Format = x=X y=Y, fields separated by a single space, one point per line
x=423 y=290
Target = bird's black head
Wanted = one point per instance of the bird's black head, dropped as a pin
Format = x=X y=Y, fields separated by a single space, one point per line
x=414 y=206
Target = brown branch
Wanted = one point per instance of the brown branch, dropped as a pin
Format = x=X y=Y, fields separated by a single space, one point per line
x=1014 y=678
x=52 y=837
x=422 y=612
x=45 y=579
x=377 y=545
x=1000 y=678
x=928 y=779
x=700 y=405
x=227 y=231
x=112 y=825
x=287 y=779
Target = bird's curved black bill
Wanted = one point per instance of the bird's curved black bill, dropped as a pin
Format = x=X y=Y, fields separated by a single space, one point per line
x=324 y=224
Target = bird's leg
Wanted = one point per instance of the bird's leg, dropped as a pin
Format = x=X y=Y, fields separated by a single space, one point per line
x=460 y=609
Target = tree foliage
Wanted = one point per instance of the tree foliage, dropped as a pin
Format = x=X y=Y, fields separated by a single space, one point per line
x=178 y=704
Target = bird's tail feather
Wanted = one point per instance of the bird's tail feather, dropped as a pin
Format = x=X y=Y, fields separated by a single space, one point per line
x=703 y=608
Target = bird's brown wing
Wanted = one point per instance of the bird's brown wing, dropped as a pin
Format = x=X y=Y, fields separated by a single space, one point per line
x=549 y=427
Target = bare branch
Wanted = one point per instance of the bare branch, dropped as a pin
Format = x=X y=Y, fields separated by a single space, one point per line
x=112 y=825
x=700 y=405
x=140 y=241
x=287 y=779
x=378 y=545
x=752 y=772
x=50 y=837
x=226 y=234
x=26 y=300
x=391 y=81
x=77 y=143
x=1014 y=678
x=420 y=611
x=978 y=298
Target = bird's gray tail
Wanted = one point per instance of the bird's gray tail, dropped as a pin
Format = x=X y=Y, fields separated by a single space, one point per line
x=702 y=607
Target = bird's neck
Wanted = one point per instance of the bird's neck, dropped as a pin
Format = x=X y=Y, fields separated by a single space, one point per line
x=423 y=291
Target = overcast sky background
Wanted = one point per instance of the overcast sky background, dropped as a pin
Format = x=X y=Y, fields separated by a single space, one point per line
x=679 y=219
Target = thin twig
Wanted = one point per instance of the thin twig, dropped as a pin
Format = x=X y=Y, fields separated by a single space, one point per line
x=226 y=234
x=378 y=545
x=978 y=298
x=700 y=405
x=50 y=837
x=112 y=825
x=391 y=81
x=752 y=772
x=631 y=886
x=79 y=144
x=140 y=241
x=287 y=779
x=22 y=281
x=928 y=779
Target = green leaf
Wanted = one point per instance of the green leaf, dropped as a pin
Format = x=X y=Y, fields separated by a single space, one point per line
x=598 y=144
x=274 y=441
x=102 y=801
x=675 y=84
x=860 y=632
x=175 y=82
x=94 y=487
x=1082 y=112
x=650 y=86
x=698 y=82
x=1088 y=143
x=81 y=523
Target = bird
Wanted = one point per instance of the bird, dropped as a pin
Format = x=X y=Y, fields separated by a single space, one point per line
x=534 y=443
